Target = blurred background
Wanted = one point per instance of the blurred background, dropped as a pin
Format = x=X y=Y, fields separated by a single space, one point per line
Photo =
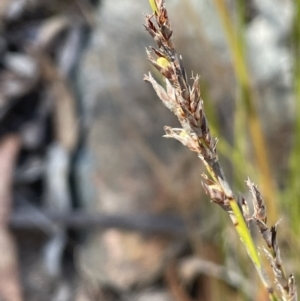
x=94 y=203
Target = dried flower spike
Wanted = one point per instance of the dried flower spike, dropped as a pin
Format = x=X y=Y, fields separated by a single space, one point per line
x=185 y=101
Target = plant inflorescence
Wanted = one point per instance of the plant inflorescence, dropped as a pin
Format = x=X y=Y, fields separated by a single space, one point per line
x=184 y=100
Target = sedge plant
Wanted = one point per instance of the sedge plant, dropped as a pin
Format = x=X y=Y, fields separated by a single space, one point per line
x=184 y=100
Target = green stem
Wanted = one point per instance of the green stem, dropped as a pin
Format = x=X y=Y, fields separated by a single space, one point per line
x=238 y=220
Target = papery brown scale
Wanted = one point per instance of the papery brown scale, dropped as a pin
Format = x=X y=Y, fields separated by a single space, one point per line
x=257 y=195
x=166 y=32
x=185 y=93
x=195 y=138
x=180 y=113
x=158 y=41
x=193 y=147
x=184 y=103
x=198 y=132
x=185 y=106
x=193 y=106
x=206 y=153
x=150 y=25
x=214 y=192
x=171 y=45
x=198 y=111
x=158 y=52
x=197 y=114
x=200 y=108
x=275 y=246
x=171 y=91
x=161 y=93
x=167 y=72
x=245 y=207
x=203 y=125
x=150 y=31
x=173 y=81
x=155 y=35
x=261 y=213
x=208 y=141
x=197 y=95
x=176 y=64
x=192 y=101
x=176 y=88
x=292 y=290
x=258 y=203
x=181 y=81
x=193 y=121
x=196 y=89
x=163 y=16
x=265 y=232
x=183 y=137
x=183 y=74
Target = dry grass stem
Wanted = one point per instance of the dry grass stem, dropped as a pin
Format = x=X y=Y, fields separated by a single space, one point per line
x=185 y=101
